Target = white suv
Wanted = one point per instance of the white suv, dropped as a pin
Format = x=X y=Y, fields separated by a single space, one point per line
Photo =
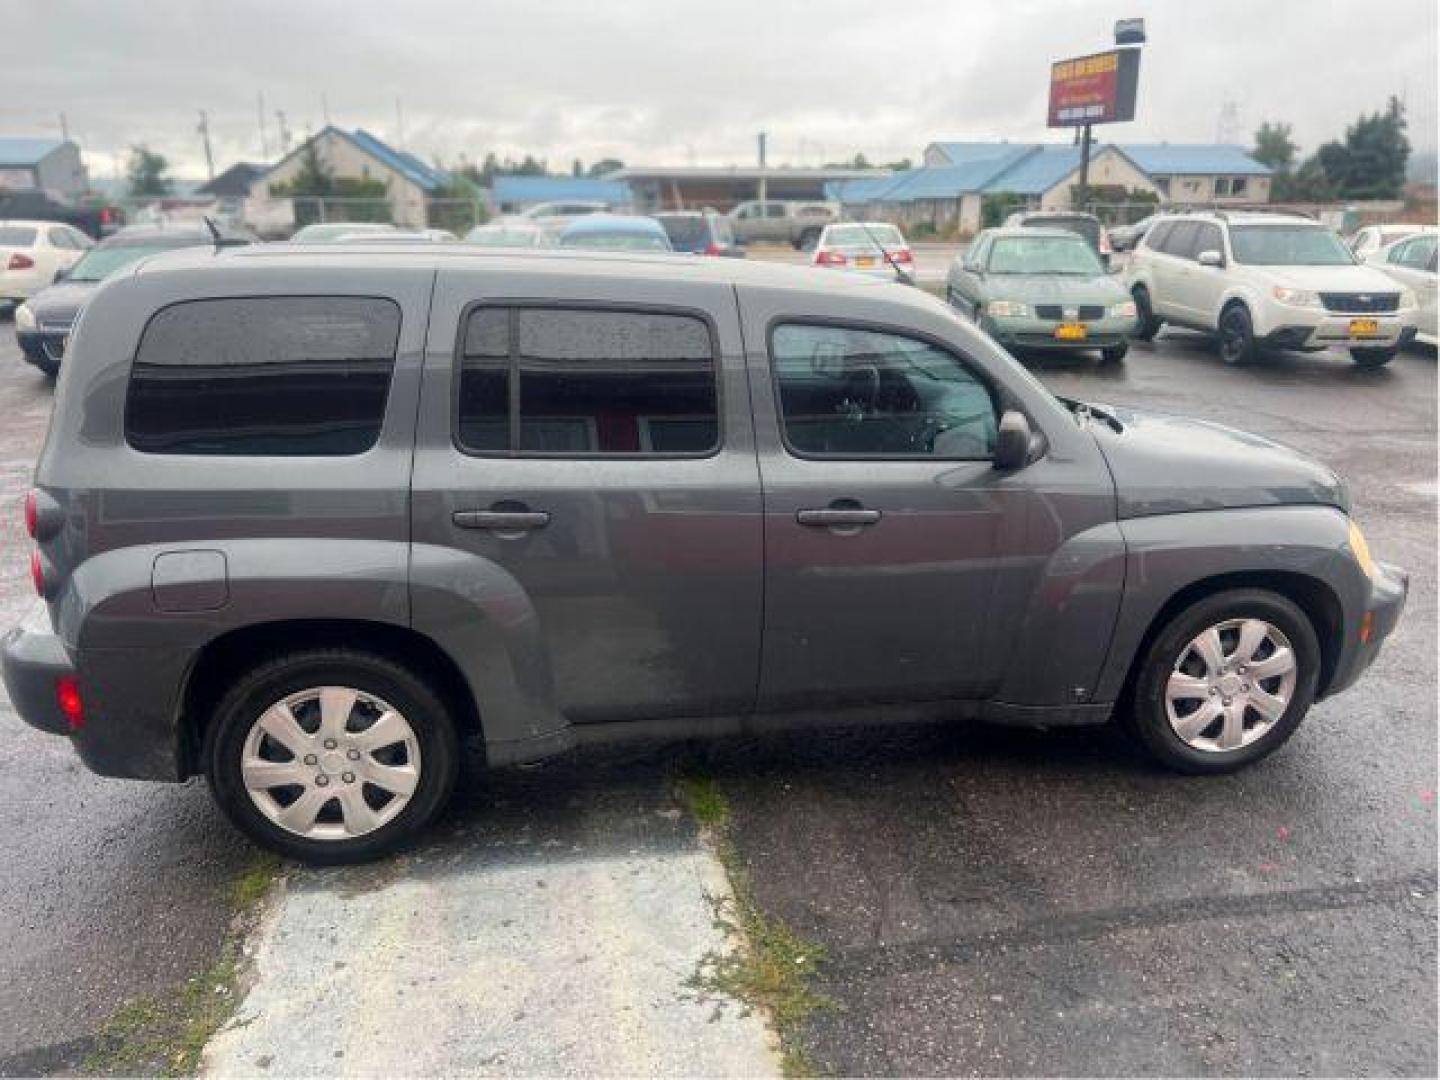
x=1267 y=279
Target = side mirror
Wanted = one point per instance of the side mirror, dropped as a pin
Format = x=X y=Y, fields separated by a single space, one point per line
x=61 y=274
x=1013 y=441
x=1210 y=258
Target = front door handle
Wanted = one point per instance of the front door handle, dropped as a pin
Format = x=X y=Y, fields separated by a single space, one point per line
x=831 y=518
x=501 y=520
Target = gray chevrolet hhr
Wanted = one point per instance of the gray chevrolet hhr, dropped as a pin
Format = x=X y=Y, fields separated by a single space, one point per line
x=306 y=518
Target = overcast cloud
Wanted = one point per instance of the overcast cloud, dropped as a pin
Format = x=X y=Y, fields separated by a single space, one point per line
x=671 y=82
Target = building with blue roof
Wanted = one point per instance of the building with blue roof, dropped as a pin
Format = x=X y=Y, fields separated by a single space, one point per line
x=359 y=155
x=948 y=190
x=49 y=165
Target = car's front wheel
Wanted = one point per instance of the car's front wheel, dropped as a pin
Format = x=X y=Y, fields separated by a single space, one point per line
x=1372 y=358
x=1113 y=354
x=1237 y=336
x=1148 y=325
x=331 y=756
x=1225 y=682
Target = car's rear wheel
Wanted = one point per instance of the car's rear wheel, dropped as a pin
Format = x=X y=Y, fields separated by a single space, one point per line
x=1225 y=682
x=1237 y=336
x=808 y=239
x=331 y=756
x=1149 y=325
x=1372 y=358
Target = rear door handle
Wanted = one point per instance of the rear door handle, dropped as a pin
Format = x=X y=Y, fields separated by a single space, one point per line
x=501 y=520
x=832 y=518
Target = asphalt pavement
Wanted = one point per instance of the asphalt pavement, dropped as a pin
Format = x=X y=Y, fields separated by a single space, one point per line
x=991 y=901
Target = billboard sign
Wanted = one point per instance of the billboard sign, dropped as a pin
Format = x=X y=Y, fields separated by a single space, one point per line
x=1095 y=89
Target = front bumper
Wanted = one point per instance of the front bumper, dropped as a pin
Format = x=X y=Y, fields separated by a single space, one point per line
x=44 y=347
x=1388 y=591
x=32 y=657
x=1322 y=330
x=1033 y=333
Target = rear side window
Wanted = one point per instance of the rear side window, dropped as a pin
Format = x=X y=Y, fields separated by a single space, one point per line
x=287 y=376
x=1180 y=240
x=584 y=382
x=1156 y=236
x=15 y=236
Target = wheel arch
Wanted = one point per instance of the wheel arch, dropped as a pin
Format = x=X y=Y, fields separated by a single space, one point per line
x=228 y=656
x=1314 y=597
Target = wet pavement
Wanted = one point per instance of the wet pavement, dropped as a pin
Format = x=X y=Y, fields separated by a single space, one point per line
x=992 y=901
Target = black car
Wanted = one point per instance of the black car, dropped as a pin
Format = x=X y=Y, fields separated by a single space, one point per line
x=700 y=232
x=43 y=323
x=96 y=220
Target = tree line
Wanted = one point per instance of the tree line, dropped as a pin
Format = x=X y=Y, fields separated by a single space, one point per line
x=1369 y=163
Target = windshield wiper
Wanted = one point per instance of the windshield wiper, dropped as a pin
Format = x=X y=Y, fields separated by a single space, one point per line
x=1083 y=410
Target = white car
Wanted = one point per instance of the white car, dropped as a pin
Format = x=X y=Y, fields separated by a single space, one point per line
x=866 y=247
x=1372 y=238
x=1258 y=280
x=1411 y=262
x=33 y=252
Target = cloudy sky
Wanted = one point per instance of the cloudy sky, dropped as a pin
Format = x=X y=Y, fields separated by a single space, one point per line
x=677 y=82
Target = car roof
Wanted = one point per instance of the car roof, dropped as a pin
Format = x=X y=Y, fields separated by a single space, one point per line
x=169 y=236
x=23 y=223
x=1026 y=215
x=613 y=223
x=1022 y=233
x=623 y=265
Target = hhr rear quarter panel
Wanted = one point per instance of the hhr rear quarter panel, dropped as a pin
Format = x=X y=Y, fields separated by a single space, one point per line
x=661 y=590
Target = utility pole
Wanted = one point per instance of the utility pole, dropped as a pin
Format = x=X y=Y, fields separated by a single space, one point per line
x=284 y=132
x=204 y=130
x=64 y=128
x=1083 y=188
x=761 y=144
x=399 y=126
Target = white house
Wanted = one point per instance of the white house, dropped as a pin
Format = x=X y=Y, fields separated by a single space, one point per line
x=49 y=165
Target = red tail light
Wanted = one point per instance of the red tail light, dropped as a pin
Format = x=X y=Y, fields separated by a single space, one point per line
x=902 y=256
x=712 y=248
x=67 y=696
x=32 y=515
x=20 y=262
x=104 y=215
x=1105 y=248
x=37 y=573
x=829 y=258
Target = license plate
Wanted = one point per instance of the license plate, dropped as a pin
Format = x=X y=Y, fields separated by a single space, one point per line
x=1069 y=331
x=865 y=260
x=1361 y=327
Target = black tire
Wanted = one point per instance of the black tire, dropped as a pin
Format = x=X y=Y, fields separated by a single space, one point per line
x=1144 y=712
x=276 y=679
x=808 y=239
x=1372 y=358
x=1149 y=325
x=1114 y=353
x=1237 y=336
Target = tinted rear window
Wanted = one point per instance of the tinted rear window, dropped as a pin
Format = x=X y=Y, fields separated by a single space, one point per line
x=15 y=236
x=578 y=383
x=295 y=375
x=1085 y=227
x=686 y=233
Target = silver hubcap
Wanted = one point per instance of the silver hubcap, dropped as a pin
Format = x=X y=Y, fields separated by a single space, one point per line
x=331 y=763
x=1231 y=685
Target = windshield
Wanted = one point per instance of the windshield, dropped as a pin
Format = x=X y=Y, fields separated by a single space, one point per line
x=1043 y=255
x=686 y=233
x=1089 y=228
x=99 y=263
x=617 y=241
x=15 y=236
x=864 y=236
x=503 y=237
x=1288 y=245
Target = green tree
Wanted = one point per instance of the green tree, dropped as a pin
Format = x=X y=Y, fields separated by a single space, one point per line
x=1274 y=147
x=604 y=167
x=146 y=173
x=996 y=206
x=1370 y=163
x=577 y=168
x=320 y=195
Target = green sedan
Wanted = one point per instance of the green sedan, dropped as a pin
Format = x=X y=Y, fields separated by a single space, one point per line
x=1042 y=289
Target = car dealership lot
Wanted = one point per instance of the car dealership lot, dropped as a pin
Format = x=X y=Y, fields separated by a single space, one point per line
x=986 y=897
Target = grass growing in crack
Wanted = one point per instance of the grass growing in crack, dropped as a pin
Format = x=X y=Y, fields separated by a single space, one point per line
x=771 y=967
x=164 y=1034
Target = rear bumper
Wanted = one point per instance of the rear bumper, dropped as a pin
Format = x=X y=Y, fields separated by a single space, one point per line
x=31 y=659
x=1388 y=592
x=44 y=349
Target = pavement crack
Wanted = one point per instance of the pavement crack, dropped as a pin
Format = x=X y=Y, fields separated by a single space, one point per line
x=880 y=961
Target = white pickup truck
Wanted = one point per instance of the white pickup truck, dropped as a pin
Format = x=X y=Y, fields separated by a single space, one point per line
x=792 y=222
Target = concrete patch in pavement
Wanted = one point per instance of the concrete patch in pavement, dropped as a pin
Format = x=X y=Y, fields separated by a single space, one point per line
x=557 y=963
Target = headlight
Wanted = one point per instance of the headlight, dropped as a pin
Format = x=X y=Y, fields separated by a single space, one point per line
x=1007 y=309
x=1123 y=310
x=24 y=318
x=1296 y=297
x=1407 y=298
x=1361 y=550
